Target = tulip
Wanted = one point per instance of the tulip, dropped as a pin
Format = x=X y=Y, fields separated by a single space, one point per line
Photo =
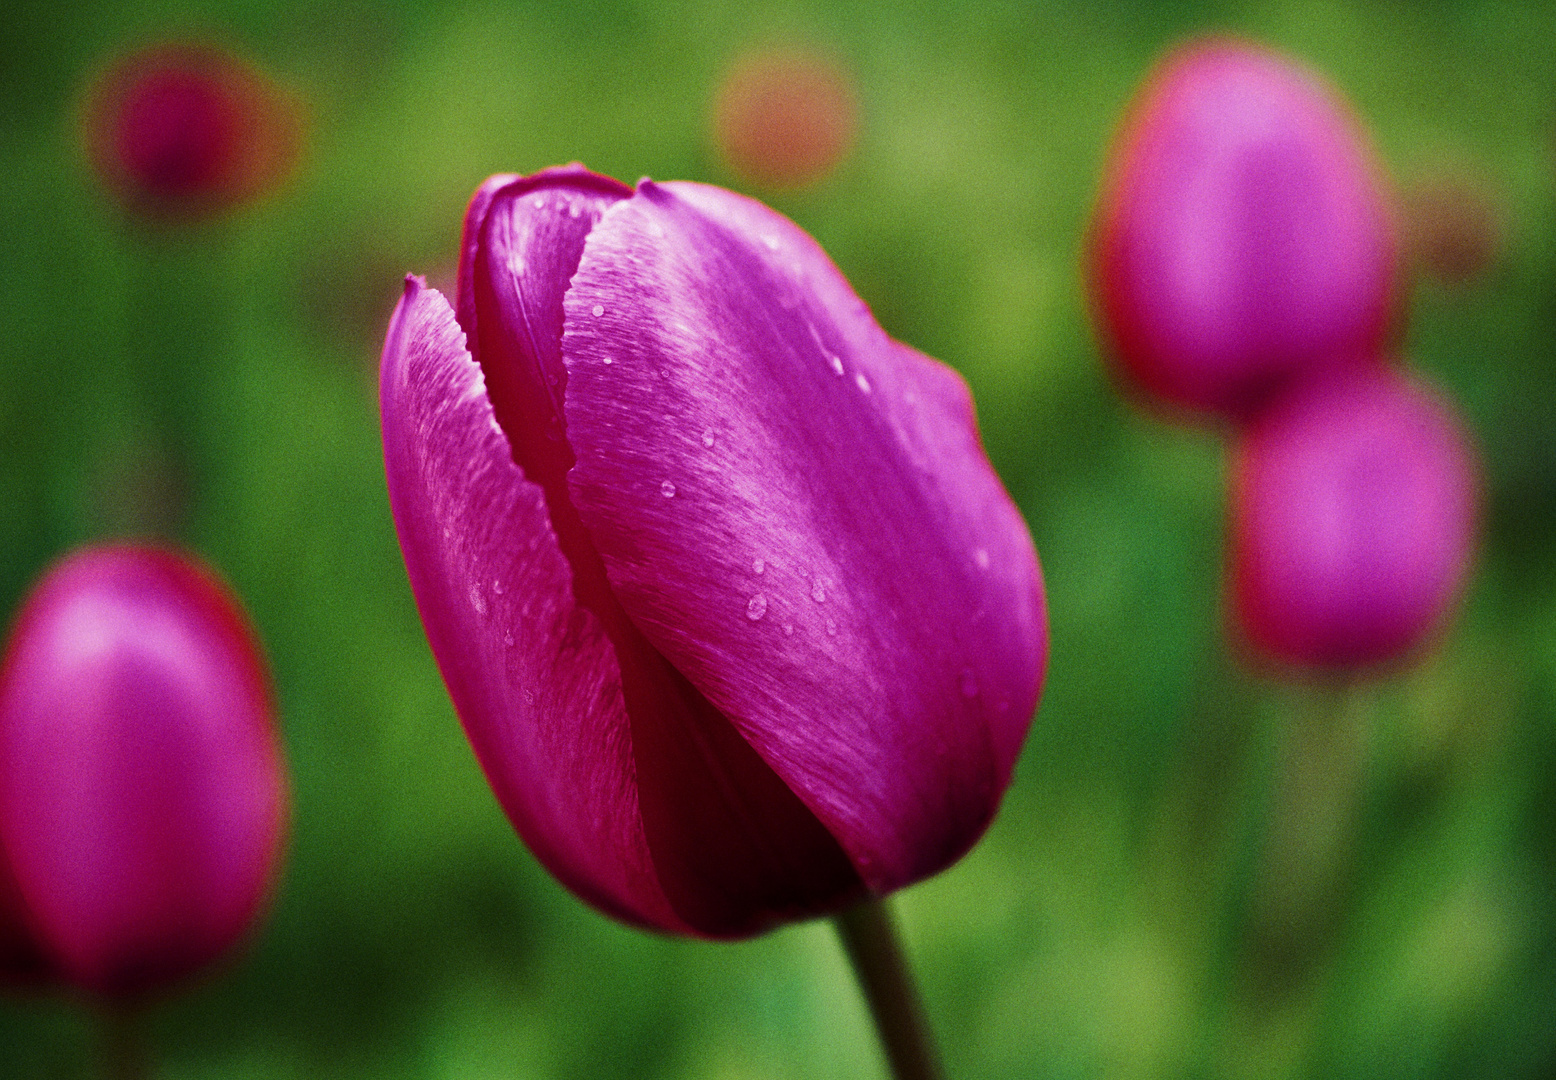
x=1352 y=521
x=184 y=131
x=736 y=615
x=142 y=796
x=1241 y=239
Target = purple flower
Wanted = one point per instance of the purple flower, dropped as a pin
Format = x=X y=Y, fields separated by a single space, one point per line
x=1353 y=513
x=1240 y=239
x=142 y=795
x=738 y=618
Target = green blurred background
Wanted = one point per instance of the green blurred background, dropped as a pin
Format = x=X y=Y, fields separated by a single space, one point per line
x=1197 y=873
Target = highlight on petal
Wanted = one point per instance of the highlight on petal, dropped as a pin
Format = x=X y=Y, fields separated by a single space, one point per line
x=142 y=793
x=1241 y=236
x=796 y=512
x=1353 y=513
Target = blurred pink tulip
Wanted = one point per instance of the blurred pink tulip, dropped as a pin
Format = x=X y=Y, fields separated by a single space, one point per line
x=188 y=130
x=142 y=791
x=1240 y=239
x=1353 y=515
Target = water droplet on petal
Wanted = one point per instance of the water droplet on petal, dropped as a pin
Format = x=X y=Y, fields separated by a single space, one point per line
x=981 y=557
x=707 y=438
x=507 y=639
x=608 y=360
x=969 y=683
x=758 y=566
x=757 y=607
x=788 y=629
x=832 y=627
x=667 y=489
x=818 y=592
x=598 y=310
x=861 y=382
x=539 y=201
x=837 y=364
x=497 y=587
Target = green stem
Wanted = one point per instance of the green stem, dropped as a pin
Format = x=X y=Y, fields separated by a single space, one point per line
x=869 y=935
x=122 y=1050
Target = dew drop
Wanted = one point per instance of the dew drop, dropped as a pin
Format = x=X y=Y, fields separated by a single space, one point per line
x=837 y=364
x=707 y=439
x=969 y=683
x=788 y=629
x=758 y=566
x=861 y=382
x=539 y=201
x=507 y=639
x=497 y=587
x=607 y=360
x=598 y=309
x=667 y=489
x=981 y=557
x=818 y=592
x=832 y=627
x=757 y=607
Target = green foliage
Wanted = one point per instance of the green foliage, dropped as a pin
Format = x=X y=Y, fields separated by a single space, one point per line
x=1163 y=895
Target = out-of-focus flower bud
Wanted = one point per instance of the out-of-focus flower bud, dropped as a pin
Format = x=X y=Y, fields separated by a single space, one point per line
x=142 y=790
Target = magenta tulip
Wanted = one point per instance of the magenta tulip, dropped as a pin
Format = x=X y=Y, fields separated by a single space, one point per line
x=739 y=620
x=189 y=130
x=142 y=795
x=1353 y=512
x=1241 y=239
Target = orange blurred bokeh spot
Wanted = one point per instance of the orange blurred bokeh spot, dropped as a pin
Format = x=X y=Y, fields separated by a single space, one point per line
x=784 y=117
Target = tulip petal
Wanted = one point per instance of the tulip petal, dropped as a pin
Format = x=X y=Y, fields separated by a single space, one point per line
x=532 y=675
x=797 y=512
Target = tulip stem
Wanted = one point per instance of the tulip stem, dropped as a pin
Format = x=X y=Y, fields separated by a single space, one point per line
x=123 y=1050
x=869 y=935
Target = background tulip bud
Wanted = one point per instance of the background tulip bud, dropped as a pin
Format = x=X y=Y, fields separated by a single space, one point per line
x=1240 y=237
x=142 y=796
x=1352 y=520
x=736 y=614
x=189 y=130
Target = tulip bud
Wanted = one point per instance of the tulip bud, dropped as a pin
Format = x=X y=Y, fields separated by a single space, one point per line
x=187 y=131
x=142 y=795
x=737 y=616
x=1240 y=238
x=1352 y=520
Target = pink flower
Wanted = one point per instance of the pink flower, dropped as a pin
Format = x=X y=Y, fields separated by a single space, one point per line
x=738 y=618
x=1240 y=239
x=1353 y=512
x=183 y=131
x=142 y=795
